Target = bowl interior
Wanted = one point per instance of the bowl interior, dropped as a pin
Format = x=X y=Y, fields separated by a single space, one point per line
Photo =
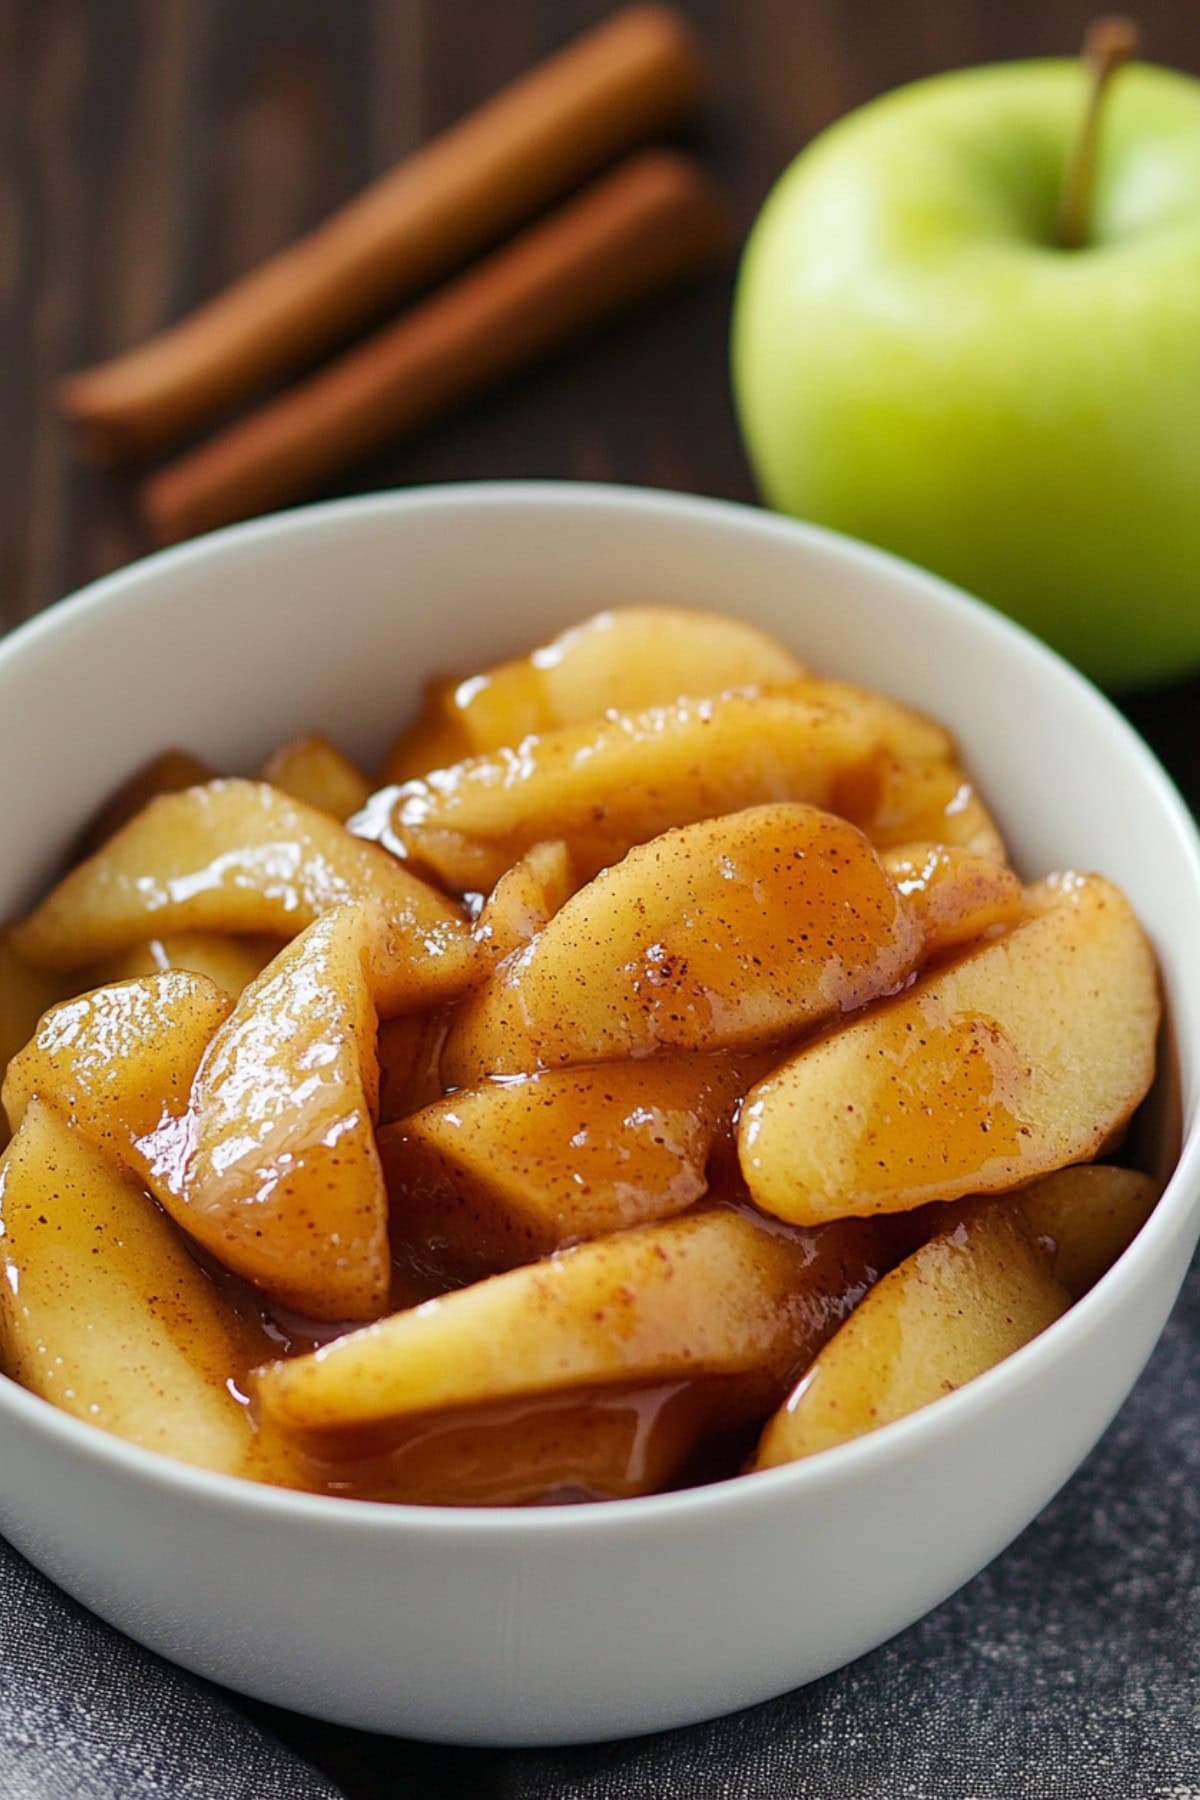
x=331 y=619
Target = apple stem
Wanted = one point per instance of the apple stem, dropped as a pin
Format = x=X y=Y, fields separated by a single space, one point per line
x=1108 y=44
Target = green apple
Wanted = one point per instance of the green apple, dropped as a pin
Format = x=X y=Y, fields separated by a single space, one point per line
x=918 y=361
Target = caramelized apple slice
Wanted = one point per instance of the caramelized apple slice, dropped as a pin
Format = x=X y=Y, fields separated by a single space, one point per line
x=1022 y=1056
x=512 y=1170
x=25 y=994
x=232 y=962
x=611 y=1445
x=237 y=856
x=119 y=1061
x=168 y=773
x=719 y=1294
x=434 y=740
x=277 y=1174
x=525 y=898
x=617 y=661
x=315 y=771
x=272 y=1166
x=105 y=1314
x=955 y=896
x=963 y=1302
x=724 y=934
x=898 y=729
x=410 y=1054
x=1087 y=1216
x=906 y=799
x=606 y=786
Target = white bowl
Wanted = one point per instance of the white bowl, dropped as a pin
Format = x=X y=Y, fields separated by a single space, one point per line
x=560 y=1625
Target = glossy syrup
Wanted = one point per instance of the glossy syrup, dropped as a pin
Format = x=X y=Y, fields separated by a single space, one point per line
x=605 y=1443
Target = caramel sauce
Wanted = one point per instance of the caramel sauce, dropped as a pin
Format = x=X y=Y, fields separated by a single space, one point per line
x=564 y=1104
x=599 y=1148
x=973 y=1067
x=542 y=1451
x=410 y=1052
x=731 y=933
x=490 y=1177
x=587 y=784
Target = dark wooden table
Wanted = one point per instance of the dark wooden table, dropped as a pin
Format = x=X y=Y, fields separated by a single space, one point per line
x=153 y=149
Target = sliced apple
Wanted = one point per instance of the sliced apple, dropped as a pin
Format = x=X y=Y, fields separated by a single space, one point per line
x=1022 y=1056
x=960 y=1304
x=232 y=962
x=955 y=896
x=434 y=740
x=901 y=799
x=279 y=1177
x=616 y=661
x=315 y=771
x=728 y=933
x=899 y=730
x=25 y=994
x=510 y=1171
x=615 y=782
x=237 y=856
x=410 y=1054
x=105 y=1314
x=119 y=1062
x=1087 y=1216
x=605 y=1446
x=525 y=898
x=168 y=773
x=718 y=1294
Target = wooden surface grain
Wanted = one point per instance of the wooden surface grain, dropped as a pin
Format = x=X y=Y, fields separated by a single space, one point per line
x=152 y=149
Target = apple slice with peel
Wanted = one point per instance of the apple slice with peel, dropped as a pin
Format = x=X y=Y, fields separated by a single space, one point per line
x=716 y=1294
x=1088 y=1215
x=725 y=934
x=275 y=1171
x=960 y=1304
x=1020 y=1057
x=955 y=896
x=237 y=856
x=104 y=1313
x=119 y=1062
x=512 y=1170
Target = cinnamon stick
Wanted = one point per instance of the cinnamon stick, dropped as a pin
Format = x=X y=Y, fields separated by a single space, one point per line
x=610 y=90
x=653 y=221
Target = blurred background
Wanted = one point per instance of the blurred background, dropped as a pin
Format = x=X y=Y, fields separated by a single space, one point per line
x=155 y=149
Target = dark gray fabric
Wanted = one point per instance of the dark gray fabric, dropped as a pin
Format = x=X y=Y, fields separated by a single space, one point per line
x=87 y=1715
x=1069 y=1670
